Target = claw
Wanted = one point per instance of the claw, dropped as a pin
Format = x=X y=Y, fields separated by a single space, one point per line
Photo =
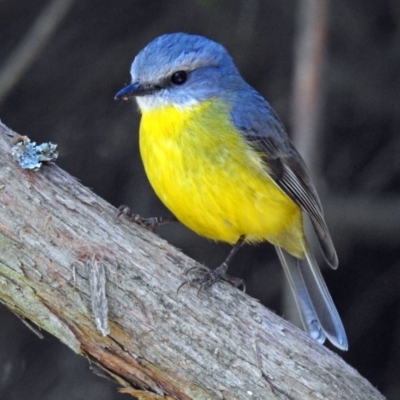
x=148 y=223
x=210 y=277
x=197 y=269
x=124 y=210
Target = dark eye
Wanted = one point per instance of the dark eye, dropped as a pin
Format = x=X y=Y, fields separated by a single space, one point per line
x=179 y=77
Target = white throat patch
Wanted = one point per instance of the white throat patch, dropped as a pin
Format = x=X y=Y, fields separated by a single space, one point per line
x=151 y=102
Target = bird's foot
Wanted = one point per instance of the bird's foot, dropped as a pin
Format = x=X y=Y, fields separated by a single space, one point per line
x=210 y=277
x=149 y=223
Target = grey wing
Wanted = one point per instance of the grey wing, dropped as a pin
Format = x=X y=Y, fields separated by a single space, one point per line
x=262 y=128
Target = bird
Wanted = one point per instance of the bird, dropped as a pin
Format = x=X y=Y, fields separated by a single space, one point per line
x=220 y=159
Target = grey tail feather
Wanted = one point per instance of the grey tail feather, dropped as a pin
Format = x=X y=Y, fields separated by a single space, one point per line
x=317 y=311
x=325 y=241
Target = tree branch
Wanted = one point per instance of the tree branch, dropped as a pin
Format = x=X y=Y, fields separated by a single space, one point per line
x=307 y=88
x=219 y=345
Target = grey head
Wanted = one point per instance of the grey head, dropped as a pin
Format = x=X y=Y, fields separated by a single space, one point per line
x=181 y=70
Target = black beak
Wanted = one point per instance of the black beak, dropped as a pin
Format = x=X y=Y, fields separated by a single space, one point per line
x=132 y=90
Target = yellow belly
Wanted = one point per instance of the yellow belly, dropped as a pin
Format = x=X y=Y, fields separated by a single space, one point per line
x=213 y=181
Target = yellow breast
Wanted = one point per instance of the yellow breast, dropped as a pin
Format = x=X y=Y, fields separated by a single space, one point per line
x=212 y=180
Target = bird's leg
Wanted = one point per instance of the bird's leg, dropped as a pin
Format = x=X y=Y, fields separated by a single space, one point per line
x=148 y=223
x=212 y=276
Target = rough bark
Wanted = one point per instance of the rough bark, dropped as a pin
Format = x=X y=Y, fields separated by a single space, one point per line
x=219 y=345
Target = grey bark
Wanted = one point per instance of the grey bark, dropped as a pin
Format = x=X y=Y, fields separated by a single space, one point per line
x=221 y=344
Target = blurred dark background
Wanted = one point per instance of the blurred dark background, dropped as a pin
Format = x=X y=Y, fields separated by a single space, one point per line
x=65 y=95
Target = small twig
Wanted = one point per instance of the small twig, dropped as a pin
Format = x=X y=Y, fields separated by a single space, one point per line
x=31 y=45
